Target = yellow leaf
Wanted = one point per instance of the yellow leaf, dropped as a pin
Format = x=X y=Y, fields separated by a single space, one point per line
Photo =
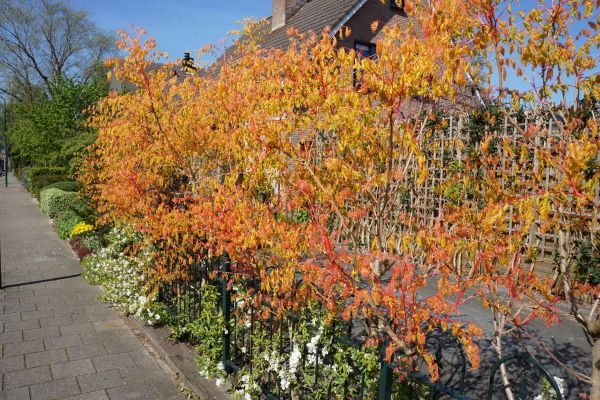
x=374 y=26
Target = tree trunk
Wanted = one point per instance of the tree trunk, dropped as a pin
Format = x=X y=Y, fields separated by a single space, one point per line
x=595 y=392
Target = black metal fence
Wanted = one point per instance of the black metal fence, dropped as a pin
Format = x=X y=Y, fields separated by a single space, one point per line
x=183 y=297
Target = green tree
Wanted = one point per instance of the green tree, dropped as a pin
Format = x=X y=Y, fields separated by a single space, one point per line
x=51 y=130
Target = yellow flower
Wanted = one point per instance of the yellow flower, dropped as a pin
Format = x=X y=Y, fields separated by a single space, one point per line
x=80 y=229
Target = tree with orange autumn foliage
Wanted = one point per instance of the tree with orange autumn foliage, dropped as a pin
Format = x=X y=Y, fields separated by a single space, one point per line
x=296 y=162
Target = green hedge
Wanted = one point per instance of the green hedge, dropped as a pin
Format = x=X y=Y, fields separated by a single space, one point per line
x=55 y=201
x=67 y=186
x=40 y=177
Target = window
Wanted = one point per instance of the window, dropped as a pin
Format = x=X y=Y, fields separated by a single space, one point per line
x=397 y=5
x=365 y=50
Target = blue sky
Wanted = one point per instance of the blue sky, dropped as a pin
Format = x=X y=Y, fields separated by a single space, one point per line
x=177 y=25
x=187 y=25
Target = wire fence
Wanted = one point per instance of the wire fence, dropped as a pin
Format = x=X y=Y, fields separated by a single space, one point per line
x=248 y=329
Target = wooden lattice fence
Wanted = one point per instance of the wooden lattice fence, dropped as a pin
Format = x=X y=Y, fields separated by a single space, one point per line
x=447 y=149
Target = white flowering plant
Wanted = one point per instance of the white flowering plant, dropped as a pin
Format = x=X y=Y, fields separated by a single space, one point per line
x=205 y=330
x=122 y=275
x=303 y=359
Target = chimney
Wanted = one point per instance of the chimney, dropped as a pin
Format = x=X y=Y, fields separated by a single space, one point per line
x=187 y=62
x=283 y=10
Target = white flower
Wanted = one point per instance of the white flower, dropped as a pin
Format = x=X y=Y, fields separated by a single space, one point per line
x=561 y=387
x=295 y=359
x=219 y=382
x=220 y=366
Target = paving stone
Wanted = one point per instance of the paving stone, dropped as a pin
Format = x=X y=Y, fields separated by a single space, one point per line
x=57 y=389
x=10 y=300
x=26 y=377
x=76 y=329
x=109 y=325
x=72 y=368
x=99 y=395
x=100 y=380
x=10 y=326
x=17 y=308
x=15 y=394
x=67 y=310
x=45 y=358
x=15 y=349
x=132 y=392
x=56 y=321
x=62 y=342
x=141 y=374
x=143 y=358
x=35 y=299
x=87 y=351
x=123 y=345
x=15 y=316
x=41 y=333
x=11 y=337
x=113 y=361
x=10 y=364
x=29 y=315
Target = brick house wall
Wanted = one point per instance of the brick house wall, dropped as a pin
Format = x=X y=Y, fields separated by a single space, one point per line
x=360 y=23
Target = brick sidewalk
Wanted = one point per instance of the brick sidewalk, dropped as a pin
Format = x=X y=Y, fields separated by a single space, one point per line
x=58 y=341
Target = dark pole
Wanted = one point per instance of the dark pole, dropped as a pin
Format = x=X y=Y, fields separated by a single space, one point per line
x=5 y=143
x=5 y=169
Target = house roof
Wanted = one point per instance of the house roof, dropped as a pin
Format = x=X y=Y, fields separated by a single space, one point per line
x=314 y=16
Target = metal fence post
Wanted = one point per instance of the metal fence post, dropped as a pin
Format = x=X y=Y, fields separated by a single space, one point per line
x=226 y=308
x=386 y=376
x=5 y=119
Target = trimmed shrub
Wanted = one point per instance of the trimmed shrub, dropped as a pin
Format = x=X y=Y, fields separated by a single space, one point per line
x=55 y=201
x=65 y=222
x=67 y=186
x=40 y=177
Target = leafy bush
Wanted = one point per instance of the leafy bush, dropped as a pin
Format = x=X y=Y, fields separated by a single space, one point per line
x=67 y=186
x=40 y=177
x=92 y=241
x=586 y=263
x=55 y=201
x=65 y=222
